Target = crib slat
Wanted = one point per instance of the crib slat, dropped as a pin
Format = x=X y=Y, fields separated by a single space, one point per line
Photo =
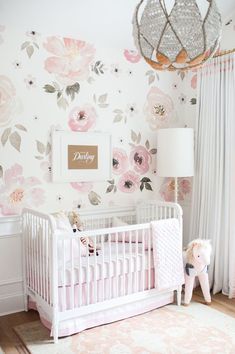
x=102 y=267
x=79 y=276
x=95 y=269
x=109 y=268
x=72 y=241
x=143 y=260
x=87 y=276
x=123 y=264
x=63 y=277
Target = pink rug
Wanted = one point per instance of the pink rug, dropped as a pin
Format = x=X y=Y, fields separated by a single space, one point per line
x=169 y=330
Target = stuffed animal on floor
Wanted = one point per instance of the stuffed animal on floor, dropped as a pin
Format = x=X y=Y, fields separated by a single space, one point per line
x=77 y=226
x=196 y=262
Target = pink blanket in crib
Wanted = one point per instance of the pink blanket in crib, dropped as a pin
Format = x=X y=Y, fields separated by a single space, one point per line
x=167 y=253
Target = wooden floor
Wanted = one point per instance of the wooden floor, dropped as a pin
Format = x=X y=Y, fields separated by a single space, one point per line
x=11 y=344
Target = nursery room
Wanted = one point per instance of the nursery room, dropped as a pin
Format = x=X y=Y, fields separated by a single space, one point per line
x=117 y=134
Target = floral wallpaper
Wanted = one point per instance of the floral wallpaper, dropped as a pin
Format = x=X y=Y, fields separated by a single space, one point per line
x=51 y=82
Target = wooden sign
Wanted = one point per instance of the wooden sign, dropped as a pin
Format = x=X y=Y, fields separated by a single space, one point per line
x=82 y=157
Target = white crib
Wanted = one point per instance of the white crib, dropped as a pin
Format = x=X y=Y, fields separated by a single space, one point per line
x=74 y=292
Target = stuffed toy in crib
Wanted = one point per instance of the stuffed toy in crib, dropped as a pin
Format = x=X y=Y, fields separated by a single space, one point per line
x=77 y=226
x=196 y=262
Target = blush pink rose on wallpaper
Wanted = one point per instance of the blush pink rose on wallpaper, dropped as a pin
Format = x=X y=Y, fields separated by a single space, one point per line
x=140 y=159
x=71 y=59
x=82 y=118
x=129 y=182
x=132 y=55
x=19 y=191
x=167 y=190
x=82 y=187
x=158 y=108
x=7 y=100
x=120 y=161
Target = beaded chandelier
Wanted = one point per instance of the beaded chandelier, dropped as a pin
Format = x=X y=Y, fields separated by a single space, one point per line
x=179 y=40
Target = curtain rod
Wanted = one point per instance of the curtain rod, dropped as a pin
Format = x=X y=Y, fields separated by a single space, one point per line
x=223 y=52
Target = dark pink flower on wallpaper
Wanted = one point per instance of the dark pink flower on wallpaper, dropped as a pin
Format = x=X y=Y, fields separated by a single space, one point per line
x=158 y=108
x=120 y=161
x=194 y=81
x=167 y=190
x=71 y=59
x=132 y=55
x=140 y=159
x=82 y=187
x=129 y=182
x=82 y=118
x=18 y=191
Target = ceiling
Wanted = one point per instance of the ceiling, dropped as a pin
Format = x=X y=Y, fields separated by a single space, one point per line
x=105 y=22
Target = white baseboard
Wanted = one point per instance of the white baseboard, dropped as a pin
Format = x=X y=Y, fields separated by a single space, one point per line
x=11 y=304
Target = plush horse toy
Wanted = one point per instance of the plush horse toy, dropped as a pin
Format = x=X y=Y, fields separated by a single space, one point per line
x=197 y=260
x=77 y=226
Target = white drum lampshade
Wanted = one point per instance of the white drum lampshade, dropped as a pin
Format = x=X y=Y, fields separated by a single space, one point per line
x=175 y=153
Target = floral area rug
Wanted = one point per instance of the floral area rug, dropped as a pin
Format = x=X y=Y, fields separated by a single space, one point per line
x=169 y=330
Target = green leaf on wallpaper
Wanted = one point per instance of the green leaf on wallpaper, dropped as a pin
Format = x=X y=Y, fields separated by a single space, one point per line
x=117 y=118
x=125 y=119
x=103 y=105
x=110 y=188
x=49 y=88
x=72 y=90
x=94 y=98
x=5 y=135
x=1 y=172
x=48 y=148
x=115 y=189
x=98 y=68
x=40 y=147
x=132 y=145
x=138 y=138
x=118 y=111
x=147 y=145
x=39 y=157
x=15 y=140
x=59 y=94
x=24 y=45
x=30 y=50
x=149 y=72
x=111 y=181
x=153 y=151
x=145 y=179
x=193 y=101
x=151 y=79
x=21 y=127
x=148 y=186
x=142 y=186
x=94 y=198
x=103 y=98
x=36 y=45
x=133 y=136
x=62 y=102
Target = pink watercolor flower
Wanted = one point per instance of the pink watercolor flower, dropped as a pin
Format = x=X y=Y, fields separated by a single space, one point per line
x=7 y=100
x=18 y=191
x=129 y=182
x=194 y=81
x=82 y=187
x=71 y=59
x=140 y=159
x=46 y=168
x=82 y=118
x=167 y=190
x=132 y=55
x=158 y=108
x=120 y=161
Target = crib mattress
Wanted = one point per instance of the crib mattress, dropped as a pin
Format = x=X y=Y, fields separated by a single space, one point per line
x=111 y=262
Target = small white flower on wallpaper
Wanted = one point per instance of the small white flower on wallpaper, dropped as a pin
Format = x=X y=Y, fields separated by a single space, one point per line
x=167 y=190
x=115 y=70
x=8 y=101
x=158 y=109
x=182 y=98
x=33 y=35
x=18 y=191
x=17 y=64
x=131 y=109
x=132 y=56
x=71 y=59
x=120 y=161
x=30 y=81
x=82 y=118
